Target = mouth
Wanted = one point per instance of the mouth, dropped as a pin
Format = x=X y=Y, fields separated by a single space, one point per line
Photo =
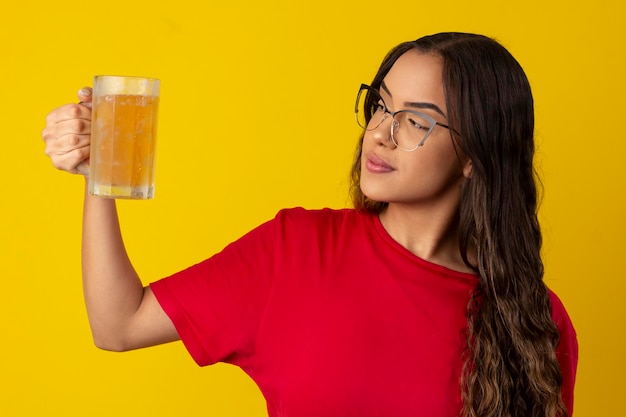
x=376 y=164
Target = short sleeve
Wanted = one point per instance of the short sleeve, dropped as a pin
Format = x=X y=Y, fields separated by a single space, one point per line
x=566 y=351
x=217 y=305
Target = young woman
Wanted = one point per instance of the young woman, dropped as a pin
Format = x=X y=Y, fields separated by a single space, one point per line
x=426 y=299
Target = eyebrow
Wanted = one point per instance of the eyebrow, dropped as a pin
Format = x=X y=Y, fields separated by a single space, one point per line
x=417 y=105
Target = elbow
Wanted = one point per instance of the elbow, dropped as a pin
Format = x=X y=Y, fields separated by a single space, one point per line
x=110 y=347
x=110 y=344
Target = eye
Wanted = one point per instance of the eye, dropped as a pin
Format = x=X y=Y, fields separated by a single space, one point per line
x=417 y=122
x=378 y=107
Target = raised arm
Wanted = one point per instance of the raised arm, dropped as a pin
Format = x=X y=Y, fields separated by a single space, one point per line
x=123 y=315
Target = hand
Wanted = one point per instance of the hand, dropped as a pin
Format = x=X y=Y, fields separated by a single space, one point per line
x=67 y=134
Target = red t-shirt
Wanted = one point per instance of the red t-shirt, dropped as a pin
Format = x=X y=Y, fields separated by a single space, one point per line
x=331 y=317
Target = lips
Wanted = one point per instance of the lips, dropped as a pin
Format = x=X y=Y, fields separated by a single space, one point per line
x=376 y=164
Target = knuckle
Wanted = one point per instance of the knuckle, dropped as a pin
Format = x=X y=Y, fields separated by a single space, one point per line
x=48 y=133
x=45 y=135
x=74 y=110
x=79 y=125
x=50 y=140
x=82 y=153
x=50 y=117
x=72 y=139
x=57 y=163
x=49 y=149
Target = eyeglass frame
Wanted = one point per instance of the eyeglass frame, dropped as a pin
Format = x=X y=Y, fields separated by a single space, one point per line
x=394 y=122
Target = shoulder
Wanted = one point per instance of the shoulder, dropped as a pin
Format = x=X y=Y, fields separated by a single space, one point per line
x=568 y=340
x=559 y=313
x=566 y=350
x=299 y=216
x=323 y=228
x=296 y=228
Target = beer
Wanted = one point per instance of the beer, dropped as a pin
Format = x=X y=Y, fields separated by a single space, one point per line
x=123 y=144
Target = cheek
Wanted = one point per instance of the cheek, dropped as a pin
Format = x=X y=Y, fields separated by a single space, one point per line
x=431 y=171
x=378 y=187
x=368 y=141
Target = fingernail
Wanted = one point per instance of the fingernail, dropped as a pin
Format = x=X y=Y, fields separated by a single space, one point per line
x=84 y=91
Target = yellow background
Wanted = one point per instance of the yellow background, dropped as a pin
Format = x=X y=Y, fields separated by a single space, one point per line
x=256 y=115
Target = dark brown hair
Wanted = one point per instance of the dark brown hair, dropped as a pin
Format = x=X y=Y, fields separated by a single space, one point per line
x=510 y=366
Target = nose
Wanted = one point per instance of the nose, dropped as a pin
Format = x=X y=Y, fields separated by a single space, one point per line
x=382 y=133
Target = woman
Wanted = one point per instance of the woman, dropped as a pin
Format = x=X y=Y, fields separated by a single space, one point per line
x=427 y=299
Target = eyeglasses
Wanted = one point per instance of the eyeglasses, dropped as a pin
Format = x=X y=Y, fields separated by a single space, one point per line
x=409 y=128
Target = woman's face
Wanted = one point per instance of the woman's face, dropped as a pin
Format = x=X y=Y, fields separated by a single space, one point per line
x=430 y=174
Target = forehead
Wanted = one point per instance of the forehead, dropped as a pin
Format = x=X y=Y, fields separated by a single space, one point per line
x=416 y=76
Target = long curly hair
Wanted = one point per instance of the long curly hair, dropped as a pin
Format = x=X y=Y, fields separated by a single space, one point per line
x=510 y=364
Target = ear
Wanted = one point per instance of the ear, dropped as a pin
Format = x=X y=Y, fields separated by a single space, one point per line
x=467 y=168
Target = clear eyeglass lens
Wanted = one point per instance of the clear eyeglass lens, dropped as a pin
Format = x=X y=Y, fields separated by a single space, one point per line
x=409 y=129
x=370 y=106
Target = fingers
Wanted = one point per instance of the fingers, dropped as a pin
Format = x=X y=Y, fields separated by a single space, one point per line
x=85 y=96
x=67 y=135
x=73 y=161
x=68 y=150
x=68 y=112
x=83 y=168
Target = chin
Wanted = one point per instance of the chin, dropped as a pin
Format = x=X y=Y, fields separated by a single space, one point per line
x=375 y=194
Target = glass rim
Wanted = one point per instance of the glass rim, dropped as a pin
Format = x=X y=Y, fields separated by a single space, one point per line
x=360 y=108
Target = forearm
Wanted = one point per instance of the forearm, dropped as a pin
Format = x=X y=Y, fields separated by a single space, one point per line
x=112 y=289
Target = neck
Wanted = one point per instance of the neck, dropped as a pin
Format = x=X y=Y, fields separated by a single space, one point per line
x=428 y=232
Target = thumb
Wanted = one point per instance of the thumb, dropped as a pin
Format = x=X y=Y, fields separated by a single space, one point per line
x=84 y=96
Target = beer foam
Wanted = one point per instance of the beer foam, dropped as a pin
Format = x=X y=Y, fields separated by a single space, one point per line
x=113 y=84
